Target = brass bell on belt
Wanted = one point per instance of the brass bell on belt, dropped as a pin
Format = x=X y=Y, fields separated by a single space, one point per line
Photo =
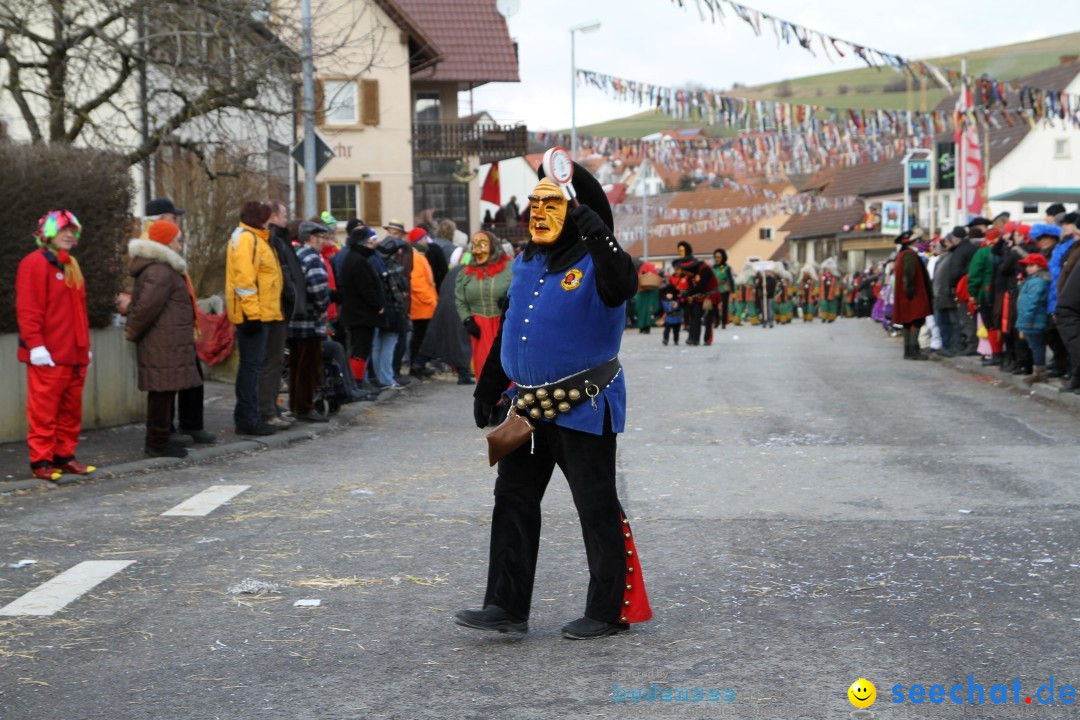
x=535 y=413
x=545 y=404
x=574 y=394
x=529 y=398
x=549 y=413
x=521 y=404
x=564 y=406
x=541 y=393
x=558 y=394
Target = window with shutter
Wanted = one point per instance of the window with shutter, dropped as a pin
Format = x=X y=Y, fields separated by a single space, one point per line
x=372 y=210
x=369 y=91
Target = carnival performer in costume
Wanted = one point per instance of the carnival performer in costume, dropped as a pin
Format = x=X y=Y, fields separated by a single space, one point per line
x=559 y=343
x=480 y=292
x=829 y=291
x=725 y=286
x=785 y=308
x=913 y=297
x=808 y=291
x=702 y=285
x=747 y=297
x=647 y=300
x=54 y=342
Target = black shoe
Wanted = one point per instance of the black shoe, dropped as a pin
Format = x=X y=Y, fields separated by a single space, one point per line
x=1021 y=370
x=181 y=439
x=201 y=437
x=1055 y=373
x=465 y=380
x=586 y=629
x=260 y=430
x=313 y=417
x=170 y=450
x=492 y=618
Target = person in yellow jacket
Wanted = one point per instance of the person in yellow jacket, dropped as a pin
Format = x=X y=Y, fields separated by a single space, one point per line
x=253 y=287
x=424 y=299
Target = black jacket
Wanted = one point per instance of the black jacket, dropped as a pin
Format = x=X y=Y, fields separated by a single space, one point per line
x=1067 y=315
x=363 y=299
x=958 y=263
x=292 y=275
x=437 y=260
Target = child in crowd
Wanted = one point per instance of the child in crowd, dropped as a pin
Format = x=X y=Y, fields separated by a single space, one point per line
x=1031 y=312
x=671 y=309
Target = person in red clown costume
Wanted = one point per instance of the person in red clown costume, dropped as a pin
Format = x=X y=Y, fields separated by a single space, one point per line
x=54 y=342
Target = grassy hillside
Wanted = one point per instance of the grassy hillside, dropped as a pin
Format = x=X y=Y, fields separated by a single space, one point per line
x=866 y=87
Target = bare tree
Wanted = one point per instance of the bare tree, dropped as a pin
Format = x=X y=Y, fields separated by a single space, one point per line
x=131 y=75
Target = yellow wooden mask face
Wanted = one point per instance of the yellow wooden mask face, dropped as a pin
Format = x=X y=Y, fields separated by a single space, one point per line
x=481 y=249
x=547 y=212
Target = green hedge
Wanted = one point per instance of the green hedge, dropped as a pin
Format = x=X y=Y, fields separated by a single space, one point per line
x=96 y=186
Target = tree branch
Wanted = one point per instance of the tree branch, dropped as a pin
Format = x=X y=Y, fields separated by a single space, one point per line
x=82 y=113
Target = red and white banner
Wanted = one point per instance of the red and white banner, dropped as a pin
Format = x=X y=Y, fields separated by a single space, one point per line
x=970 y=172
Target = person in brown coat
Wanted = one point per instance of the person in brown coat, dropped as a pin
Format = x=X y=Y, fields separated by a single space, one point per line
x=161 y=321
x=913 y=298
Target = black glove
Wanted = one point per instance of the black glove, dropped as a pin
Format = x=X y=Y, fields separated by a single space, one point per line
x=250 y=327
x=471 y=327
x=588 y=222
x=482 y=413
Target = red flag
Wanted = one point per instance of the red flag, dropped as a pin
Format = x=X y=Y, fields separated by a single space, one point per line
x=490 y=191
x=969 y=200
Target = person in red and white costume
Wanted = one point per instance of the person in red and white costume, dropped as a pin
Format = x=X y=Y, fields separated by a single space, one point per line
x=54 y=342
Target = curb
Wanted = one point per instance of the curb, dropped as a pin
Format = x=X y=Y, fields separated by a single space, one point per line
x=345 y=417
x=1051 y=392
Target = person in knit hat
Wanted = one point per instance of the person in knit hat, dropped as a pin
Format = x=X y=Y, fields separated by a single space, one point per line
x=161 y=323
x=1032 y=316
x=54 y=342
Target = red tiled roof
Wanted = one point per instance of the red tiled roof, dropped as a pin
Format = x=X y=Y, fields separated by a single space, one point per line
x=703 y=243
x=820 y=223
x=616 y=193
x=473 y=38
x=877 y=178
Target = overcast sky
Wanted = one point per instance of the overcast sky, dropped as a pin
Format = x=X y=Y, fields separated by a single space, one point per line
x=656 y=41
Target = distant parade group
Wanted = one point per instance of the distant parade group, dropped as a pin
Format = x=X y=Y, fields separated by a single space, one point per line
x=700 y=298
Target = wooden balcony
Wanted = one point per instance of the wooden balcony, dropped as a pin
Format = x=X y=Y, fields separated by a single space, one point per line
x=458 y=140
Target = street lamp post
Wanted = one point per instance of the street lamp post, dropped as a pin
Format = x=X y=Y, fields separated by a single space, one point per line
x=586 y=27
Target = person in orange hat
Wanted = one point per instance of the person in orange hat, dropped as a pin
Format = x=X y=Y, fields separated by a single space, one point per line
x=1032 y=315
x=54 y=342
x=161 y=322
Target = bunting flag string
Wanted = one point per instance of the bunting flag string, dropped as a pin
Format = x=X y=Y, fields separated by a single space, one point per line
x=992 y=93
x=677 y=222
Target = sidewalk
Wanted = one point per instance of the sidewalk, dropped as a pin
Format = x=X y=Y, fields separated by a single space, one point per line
x=1053 y=390
x=119 y=450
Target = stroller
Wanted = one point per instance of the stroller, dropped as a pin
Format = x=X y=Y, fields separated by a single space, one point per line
x=330 y=392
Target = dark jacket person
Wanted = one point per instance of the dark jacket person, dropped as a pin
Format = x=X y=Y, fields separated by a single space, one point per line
x=363 y=302
x=161 y=321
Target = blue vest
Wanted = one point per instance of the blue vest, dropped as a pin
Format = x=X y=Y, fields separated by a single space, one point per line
x=556 y=326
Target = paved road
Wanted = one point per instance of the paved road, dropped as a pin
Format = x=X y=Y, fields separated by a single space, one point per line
x=796 y=495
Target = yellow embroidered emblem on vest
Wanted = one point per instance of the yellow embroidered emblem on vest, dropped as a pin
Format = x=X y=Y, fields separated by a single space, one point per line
x=572 y=280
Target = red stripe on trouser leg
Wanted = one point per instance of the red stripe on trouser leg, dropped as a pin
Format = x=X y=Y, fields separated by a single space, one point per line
x=994 y=336
x=53 y=410
x=358 y=365
x=635 y=600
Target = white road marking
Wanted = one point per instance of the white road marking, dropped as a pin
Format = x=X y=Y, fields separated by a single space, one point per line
x=54 y=595
x=207 y=501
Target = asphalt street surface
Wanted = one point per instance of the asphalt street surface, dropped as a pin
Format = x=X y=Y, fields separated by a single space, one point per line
x=809 y=509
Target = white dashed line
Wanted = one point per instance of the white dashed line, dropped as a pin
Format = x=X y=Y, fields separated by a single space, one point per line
x=207 y=501
x=54 y=595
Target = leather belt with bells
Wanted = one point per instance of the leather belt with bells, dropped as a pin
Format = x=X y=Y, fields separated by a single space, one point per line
x=561 y=396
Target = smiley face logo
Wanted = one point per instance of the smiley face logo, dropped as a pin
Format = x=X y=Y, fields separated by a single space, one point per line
x=862 y=693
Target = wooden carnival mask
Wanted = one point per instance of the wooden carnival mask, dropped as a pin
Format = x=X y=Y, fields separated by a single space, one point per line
x=547 y=212
x=481 y=248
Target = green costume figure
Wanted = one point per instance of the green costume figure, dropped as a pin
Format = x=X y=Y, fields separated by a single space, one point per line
x=829 y=291
x=647 y=300
x=749 y=311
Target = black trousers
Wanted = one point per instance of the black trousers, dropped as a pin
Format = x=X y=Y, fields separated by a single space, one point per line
x=189 y=403
x=1054 y=342
x=673 y=331
x=693 y=315
x=588 y=462
x=159 y=411
x=419 y=332
x=724 y=298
